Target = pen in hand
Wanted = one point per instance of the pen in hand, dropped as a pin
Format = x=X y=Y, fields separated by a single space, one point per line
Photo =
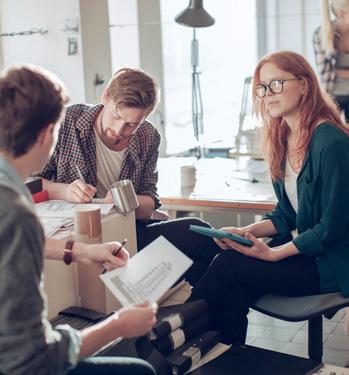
x=116 y=252
x=81 y=177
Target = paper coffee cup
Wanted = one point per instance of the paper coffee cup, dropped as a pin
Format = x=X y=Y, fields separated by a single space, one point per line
x=188 y=175
x=88 y=226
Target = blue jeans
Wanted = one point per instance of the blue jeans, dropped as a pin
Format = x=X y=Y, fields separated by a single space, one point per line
x=112 y=366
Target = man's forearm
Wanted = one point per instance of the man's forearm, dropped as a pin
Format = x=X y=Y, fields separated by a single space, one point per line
x=54 y=249
x=99 y=335
x=55 y=190
x=146 y=207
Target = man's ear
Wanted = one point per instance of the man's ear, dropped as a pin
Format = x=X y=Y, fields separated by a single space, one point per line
x=105 y=97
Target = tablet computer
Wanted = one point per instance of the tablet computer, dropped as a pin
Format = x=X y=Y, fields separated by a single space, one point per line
x=216 y=233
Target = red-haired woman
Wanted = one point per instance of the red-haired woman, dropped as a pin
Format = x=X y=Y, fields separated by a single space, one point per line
x=307 y=148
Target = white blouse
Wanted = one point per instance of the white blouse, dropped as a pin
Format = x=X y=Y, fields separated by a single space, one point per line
x=291 y=185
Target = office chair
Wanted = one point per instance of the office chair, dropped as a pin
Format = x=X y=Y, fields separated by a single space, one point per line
x=311 y=308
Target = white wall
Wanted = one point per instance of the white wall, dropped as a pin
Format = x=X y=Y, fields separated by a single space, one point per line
x=50 y=50
x=290 y=25
x=124 y=45
x=135 y=37
x=96 y=57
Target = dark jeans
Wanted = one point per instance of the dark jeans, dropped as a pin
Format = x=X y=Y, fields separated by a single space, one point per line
x=343 y=104
x=112 y=366
x=201 y=249
x=234 y=282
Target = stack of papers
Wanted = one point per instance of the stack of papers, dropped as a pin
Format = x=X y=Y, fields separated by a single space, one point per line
x=63 y=209
x=58 y=215
x=52 y=225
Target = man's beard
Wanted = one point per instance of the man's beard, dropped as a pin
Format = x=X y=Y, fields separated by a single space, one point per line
x=107 y=141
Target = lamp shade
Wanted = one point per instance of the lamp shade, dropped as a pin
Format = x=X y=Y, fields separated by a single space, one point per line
x=195 y=15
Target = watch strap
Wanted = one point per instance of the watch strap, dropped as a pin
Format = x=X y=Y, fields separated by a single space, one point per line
x=68 y=252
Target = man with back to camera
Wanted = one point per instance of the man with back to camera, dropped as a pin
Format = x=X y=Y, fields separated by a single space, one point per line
x=31 y=102
x=114 y=141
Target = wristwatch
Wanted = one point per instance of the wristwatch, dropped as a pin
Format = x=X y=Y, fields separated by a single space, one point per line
x=68 y=252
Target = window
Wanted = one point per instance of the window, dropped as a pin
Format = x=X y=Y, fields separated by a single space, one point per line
x=227 y=54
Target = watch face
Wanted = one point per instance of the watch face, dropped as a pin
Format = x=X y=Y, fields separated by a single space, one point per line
x=67 y=256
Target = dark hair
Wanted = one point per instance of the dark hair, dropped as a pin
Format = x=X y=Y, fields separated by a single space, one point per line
x=31 y=98
x=133 y=88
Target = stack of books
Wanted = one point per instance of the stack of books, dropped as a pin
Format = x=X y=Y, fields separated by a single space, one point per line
x=183 y=334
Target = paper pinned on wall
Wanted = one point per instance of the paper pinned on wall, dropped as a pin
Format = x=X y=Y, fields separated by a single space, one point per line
x=148 y=274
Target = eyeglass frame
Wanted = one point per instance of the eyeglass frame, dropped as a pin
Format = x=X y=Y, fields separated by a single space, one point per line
x=267 y=86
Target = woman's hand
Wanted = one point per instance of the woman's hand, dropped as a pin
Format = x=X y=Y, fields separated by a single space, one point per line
x=258 y=250
x=222 y=242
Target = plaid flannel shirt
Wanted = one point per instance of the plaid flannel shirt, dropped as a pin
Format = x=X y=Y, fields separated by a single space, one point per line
x=76 y=145
x=326 y=63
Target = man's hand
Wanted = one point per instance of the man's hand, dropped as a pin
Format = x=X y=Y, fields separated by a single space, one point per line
x=101 y=254
x=108 y=198
x=135 y=320
x=128 y=322
x=79 y=192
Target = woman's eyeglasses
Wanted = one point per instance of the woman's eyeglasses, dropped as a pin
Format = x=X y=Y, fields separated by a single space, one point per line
x=276 y=87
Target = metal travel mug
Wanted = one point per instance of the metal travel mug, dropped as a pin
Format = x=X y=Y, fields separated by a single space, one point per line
x=124 y=196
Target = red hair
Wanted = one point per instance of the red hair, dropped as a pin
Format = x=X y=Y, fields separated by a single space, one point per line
x=315 y=106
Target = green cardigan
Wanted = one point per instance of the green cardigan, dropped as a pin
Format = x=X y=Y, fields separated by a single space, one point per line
x=322 y=220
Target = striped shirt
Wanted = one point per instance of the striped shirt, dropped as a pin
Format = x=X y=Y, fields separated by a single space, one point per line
x=326 y=63
x=76 y=145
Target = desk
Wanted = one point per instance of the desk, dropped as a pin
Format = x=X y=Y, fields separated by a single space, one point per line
x=221 y=185
x=61 y=281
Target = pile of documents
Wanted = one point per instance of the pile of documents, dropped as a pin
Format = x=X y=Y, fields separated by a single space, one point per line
x=178 y=324
x=183 y=334
x=58 y=215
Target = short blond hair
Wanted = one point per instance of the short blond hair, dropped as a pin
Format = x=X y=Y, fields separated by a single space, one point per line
x=133 y=88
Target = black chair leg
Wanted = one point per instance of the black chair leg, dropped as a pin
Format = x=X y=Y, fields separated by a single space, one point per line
x=315 y=346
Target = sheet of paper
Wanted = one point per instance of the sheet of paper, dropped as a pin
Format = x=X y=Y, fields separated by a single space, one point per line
x=148 y=274
x=327 y=369
x=176 y=295
x=212 y=354
x=52 y=225
x=105 y=207
x=63 y=209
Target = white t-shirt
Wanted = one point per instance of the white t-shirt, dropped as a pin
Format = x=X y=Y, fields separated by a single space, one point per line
x=108 y=164
x=291 y=185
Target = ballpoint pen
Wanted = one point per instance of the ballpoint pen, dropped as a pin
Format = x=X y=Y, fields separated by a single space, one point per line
x=81 y=177
x=116 y=251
